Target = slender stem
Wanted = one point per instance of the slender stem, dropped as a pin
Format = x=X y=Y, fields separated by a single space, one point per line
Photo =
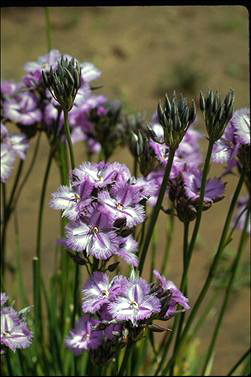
x=199 y=211
x=29 y=169
x=239 y=362
x=68 y=137
x=234 y=267
x=75 y=294
x=48 y=28
x=9 y=366
x=7 y=210
x=20 y=359
x=169 y=237
x=135 y=167
x=20 y=278
x=183 y=287
x=122 y=369
x=41 y=204
x=212 y=268
x=156 y=210
x=14 y=187
x=3 y=233
x=37 y=301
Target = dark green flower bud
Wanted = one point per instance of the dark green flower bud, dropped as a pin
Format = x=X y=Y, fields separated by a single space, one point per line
x=216 y=113
x=64 y=82
x=175 y=118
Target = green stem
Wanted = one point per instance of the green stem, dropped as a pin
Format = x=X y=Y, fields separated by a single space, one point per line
x=123 y=368
x=199 y=211
x=68 y=137
x=239 y=362
x=156 y=210
x=135 y=167
x=29 y=169
x=37 y=303
x=20 y=360
x=169 y=237
x=227 y=295
x=41 y=204
x=183 y=287
x=3 y=233
x=212 y=267
x=48 y=28
x=19 y=171
x=8 y=208
x=9 y=366
x=75 y=294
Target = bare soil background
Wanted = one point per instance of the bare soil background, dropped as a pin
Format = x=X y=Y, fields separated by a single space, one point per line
x=142 y=52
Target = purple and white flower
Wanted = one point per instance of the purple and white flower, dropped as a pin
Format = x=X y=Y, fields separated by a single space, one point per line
x=22 y=108
x=95 y=238
x=84 y=336
x=14 y=331
x=214 y=190
x=135 y=304
x=99 y=291
x=176 y=296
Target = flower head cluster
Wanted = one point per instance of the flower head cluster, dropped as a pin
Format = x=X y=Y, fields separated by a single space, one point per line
x=31 y=106
x=103 y=204
x=187 y=155
x=118 y=311
x=96 y=121
x=12 y=145
x=14 y=330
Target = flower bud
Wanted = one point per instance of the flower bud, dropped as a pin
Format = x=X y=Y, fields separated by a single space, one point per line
x=216 y=113
x=175 y=118
x=64 y=82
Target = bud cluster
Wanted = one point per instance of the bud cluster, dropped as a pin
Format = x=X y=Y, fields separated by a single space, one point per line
x=175 y=117
x=64 y=82
x=217 y=113
x=137 y=137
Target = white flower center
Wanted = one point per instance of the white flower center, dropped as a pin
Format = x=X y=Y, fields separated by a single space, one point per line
x=134 y=304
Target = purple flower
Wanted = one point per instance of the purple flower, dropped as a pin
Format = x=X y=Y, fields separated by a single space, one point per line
x=84 y=336
x=8 y=158
x=121 y=204
x=214 y=190
x=73 y=203
x=14 y=331
x=99 y=291
x=241 y=123
x=11 y=146
x=236 y=133
x=44 y=63
x=101 y=174
x=95 y=238
x=127 y=249
x=154 y=179
x=89 y=72
x=22 y=108
x=135 y=303
x=8 y=88
x=239 y=219
x=175 y=296
x=187 y=154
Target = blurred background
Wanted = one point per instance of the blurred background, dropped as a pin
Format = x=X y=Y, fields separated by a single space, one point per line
x=143 y=52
